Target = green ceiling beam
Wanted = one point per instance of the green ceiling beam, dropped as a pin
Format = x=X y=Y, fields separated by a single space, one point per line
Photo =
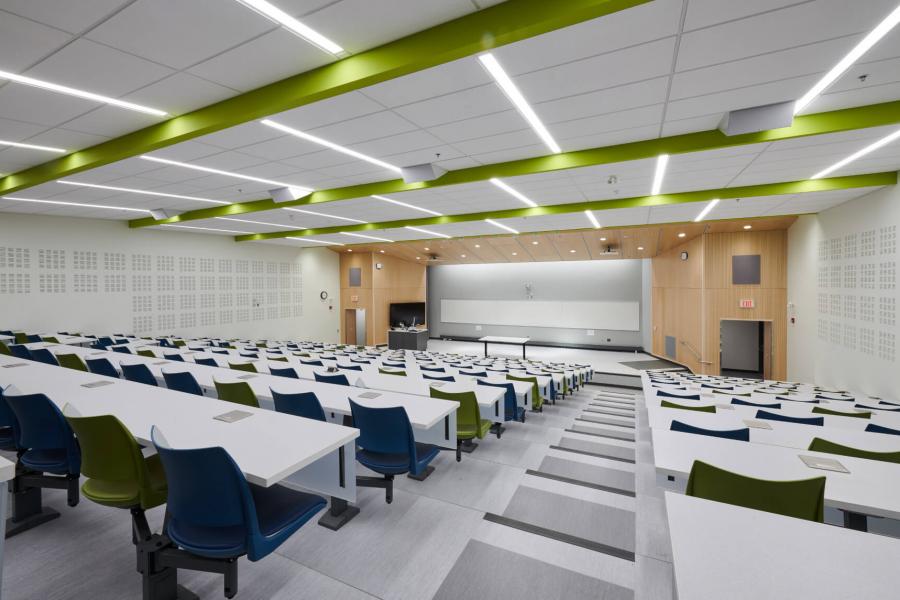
x=495 y=26
x=750 y=191
x=861 y=117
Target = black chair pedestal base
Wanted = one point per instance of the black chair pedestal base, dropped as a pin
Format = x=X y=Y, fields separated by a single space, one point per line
x=468 y=446
x=423 y=475
x=498 y=429
x=27 y=500
x=339 y=514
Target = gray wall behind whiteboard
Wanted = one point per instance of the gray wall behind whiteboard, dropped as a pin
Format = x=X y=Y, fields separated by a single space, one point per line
x=576 y=280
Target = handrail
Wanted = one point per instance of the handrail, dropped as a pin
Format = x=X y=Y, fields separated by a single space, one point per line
x=695 y=352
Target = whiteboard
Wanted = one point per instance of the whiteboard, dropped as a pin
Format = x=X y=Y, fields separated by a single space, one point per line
x=615 y=316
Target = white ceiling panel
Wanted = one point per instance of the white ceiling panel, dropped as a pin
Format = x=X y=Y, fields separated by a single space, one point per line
x=73 y=17
x=24 y=42
x=110 y=121
x=703 y=13
x=31 y=105
x=180 y=93
x=606 y=101
x=456 y=106
x=437 y=81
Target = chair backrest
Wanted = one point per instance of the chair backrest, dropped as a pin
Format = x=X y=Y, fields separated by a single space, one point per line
x=32 y=339
x=871 y=427
x=475 y=373
x=302 y=404
x=384 y=430
x=337 y=379
x=762 y=414
x=467 y=414
x=51 y=339
x=4 y=349
x=285 y=372
x=139 y=373
x=438 y=377
x=175 y=357
x=109 y=453
x=101 y=366
x=146 y=352
x=312 y=363
x=209 y=362
x=238 y=392
x=820 y=445
x=43 y=427
x=742 y=435
x=208 y=498
x=45 y=356
x=803 y=499
x=20 y=351
x=387 y=372
x=819 y=410
x=71 y=361
x=509 y=396
x=775 y=405
x=351 y=367
x=180 y=343
x=665 y=394
x=708 y=409
x=121 y=349
x=536 y=400
x=182 y=382
x=8 y=419
x=279 y=358
x=247 y=367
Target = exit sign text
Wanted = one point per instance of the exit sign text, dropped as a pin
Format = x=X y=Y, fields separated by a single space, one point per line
x=746 y=303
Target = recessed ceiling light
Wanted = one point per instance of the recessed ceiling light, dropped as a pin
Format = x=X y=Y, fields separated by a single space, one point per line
x=462 y=255
x=382 y=251
x=861 y=48
x=681 y=235
x=275 y=14
x=427 y=232
x=514 y=193
x=349 y=250
x=748 y=226
x=640 y=247
x=571 y=252
x=500 y=225
x=62 y=89
x=661 y=161
x=317 y=140
x=535 y=243
x=318 y=214
x=398 y=203
x=175 y=163
x=515 y=96
x=603 y=239
x=515 y=253
x=478 y=245
x=137 y=191
x=427 y=249
x=592 y=219
x=300 y=239
x=859 y=154
x=79 y=204
x=706 y=209
x=206 y=228
x=368 y=237
x=32 y=147
x=260 y=223
x=418 y=258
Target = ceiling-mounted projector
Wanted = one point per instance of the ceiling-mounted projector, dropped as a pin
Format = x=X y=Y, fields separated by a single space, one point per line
x=287 y=194
x=161 y=214
x=420 y=173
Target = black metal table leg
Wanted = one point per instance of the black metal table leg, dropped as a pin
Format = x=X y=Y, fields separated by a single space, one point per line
x=340 y=512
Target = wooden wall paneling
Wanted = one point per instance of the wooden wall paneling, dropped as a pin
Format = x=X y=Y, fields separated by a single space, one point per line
x=482 y=250
x=510 y=249
x=539 y=247
x=770 y=245
x=566 y=243
x=597 y=245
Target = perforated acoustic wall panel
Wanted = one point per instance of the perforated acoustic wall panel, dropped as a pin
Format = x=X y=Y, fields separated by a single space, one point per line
x=78 y=274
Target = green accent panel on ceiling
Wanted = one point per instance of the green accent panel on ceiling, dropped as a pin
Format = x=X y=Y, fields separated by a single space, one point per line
x=861 y=117
x=495 y=26
x=750 y=191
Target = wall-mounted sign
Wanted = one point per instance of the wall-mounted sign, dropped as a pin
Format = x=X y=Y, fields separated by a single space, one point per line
x=746 y=303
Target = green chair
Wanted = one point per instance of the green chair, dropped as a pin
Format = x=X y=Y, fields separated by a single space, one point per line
x=707 y=409
x=537 y=402
x=239 y=392
x=803 y=499
x=820 y=445
x=565 y=379
x=147 y=353
x=469 y=423
x=303 y=354
x=386 y=372
x=71 y=361
x=21 y=338
x=247 y=367
x=180 y=343
x=51 y=339
x=4 y=349
x=836 y=413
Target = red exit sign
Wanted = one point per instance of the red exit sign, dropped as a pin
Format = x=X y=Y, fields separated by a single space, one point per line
x=746 y=303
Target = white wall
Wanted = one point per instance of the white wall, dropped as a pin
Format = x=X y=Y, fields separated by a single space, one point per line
x=740 y=345
x=842 y=283
x=63 y=274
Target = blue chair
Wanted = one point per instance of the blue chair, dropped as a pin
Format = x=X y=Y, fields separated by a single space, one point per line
x=351 y=367
x=302 y=404
x=103 y=343
x=219 y=351
x=783 y=399
x=438 y=377
x=312 y=363
x=209 y=362
x=121 y=349
x=882 y=408
x=512 y=410
x=476 y=373
x=182 y=382
x=175 y=357
x=682 y=397
x=871 y=427
x=252 y=355
x=285 y=372
x=216 y=516
x=101 y=366
x=9 y=427
x=32 y=339
x=762 y=414
x=386 y=445
x=438 y=369
x=138 y=373
x=48 y=457
x=756 y=404
x=20 y=351
x=742 y=435
x=45 y=356
x=338 y=379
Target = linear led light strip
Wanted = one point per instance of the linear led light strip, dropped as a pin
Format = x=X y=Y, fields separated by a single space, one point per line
x=275 y=14
x=592 y=219
x=368 y=237
x=706 y=209
x=881 y=30
x=316 y=241
x=207 y=229
x=136 y=191
x=32 y=146
x=515 y=96
x=79 y=204
x=322 y=142
x=870 y=148
x=260 y=223
x=513 y=192
x=500 y=225
x=427 y=232
x=661 y=162
x=63 y=89
x=175 y=163
x=398 y=203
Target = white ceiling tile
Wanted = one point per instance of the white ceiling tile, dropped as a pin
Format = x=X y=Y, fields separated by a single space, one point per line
x=110 y=121
x=609 y=138
x=691 y=125
x=642 y=93
x=456 y=106
x=73 y=17
x=180 y=93
x=14 y=131
x=502 y=122
x=64 y=138
x=24 y=42
x=368 y=127
x=444 y=79
x=758 y=95
x=325 y=112
x=862 y=96
x=32 y=105
x=618 y=121
x=244 y=134
x=703 y=13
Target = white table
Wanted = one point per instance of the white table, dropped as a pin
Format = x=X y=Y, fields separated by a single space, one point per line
x=499 y=339
x=724 y=551
x=7 y=473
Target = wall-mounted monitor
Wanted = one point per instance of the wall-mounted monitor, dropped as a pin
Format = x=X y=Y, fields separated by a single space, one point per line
x=407 y=314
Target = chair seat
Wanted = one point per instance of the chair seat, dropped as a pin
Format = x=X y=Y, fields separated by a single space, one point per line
x=7 y=439
x=425 y=453
x=391 y=464
x=468 y=432
x=126 y=494
x=47 y=461
x=279 y=508
x=212 y=542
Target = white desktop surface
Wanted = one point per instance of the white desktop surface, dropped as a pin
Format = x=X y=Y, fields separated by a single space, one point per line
x=722 y=551
x=504 y=340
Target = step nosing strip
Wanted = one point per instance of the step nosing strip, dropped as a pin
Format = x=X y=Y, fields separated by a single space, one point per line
x=625 y=425
x=604 y=412
x=560 y=537
x=595 y=454
x=603 y=435
x=587 y=484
